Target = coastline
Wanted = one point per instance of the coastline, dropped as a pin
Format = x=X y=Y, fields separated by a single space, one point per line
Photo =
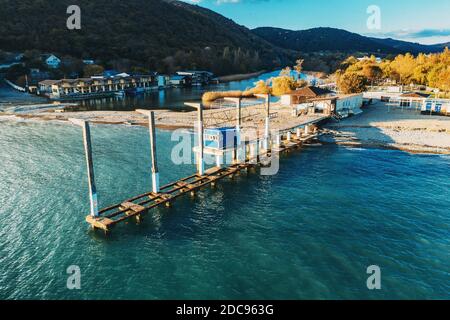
x=408 y=131
x=241 y=76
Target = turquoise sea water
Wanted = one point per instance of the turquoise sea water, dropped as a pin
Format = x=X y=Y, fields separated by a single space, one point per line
x=309 y=232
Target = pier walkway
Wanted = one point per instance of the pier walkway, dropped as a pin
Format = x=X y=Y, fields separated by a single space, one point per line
x=246 y=154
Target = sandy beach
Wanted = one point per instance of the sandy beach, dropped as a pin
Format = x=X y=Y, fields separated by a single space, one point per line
x=252 y=117
x=379 y=126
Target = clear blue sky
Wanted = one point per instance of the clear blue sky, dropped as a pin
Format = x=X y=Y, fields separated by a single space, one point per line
x=412 y=20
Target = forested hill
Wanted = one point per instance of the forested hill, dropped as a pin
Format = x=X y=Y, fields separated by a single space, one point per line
x=152 y=33
x=331 y=39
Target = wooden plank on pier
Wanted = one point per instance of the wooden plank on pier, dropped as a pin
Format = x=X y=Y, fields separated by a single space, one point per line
x=132 y=206
x=100 y=223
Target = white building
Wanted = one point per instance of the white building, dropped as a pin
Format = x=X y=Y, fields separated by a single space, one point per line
x=315 y=99
x=52 y=61
x=349 y=104
x=439 y=106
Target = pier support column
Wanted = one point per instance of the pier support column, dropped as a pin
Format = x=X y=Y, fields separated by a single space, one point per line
x=278 y=140
x=253 y=155
x=152 y=131
x=246 y=151
x=219 y=161
x=201 y=162
x=307 y=129
x=267 y=121
x=200 y=134
x=299 y=133
x=155 y=171
x=288 y=136
x=257 y=149
x=266 y=134
x=90 y=165
x=237 y=156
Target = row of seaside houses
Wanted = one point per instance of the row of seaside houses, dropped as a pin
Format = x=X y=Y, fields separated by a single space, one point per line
x=96 y=85
x=112 y=83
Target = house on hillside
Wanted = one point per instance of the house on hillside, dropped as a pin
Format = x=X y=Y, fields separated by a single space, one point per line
x=37 y=75
x=51 y=61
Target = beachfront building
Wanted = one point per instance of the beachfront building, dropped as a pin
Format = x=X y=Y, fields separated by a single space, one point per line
x=198 y=77
x=303 y=94
x=437 y=106
x=97 y=86
x=311 y=100
x=179 y=80
x=348 y=104
x=413 y=100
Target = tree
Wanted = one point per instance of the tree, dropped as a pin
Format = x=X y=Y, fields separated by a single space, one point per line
x=299 y=67
x=286 y=72
x=91 y=70
x=261 y=87
x=16 y=71
x=351 y=83
x=282 y=85
x=301 y=83
x=404 y=66
x=372 y=72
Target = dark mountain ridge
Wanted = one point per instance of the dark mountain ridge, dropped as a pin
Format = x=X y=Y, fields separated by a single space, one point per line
x=331 y=39
x=143 y=31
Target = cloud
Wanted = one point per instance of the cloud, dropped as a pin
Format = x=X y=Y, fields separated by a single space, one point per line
x=424 y=36
x=227 y=1
x=415 y=34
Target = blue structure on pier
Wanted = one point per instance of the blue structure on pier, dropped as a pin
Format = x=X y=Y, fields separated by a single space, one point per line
x=220 y=138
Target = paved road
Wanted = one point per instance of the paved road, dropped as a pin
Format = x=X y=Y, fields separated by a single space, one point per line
x=10 y=96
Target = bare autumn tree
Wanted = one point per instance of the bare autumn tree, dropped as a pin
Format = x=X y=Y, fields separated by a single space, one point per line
x=299 y=67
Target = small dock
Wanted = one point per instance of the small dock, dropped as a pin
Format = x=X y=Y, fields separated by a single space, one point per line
x=246 y=154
